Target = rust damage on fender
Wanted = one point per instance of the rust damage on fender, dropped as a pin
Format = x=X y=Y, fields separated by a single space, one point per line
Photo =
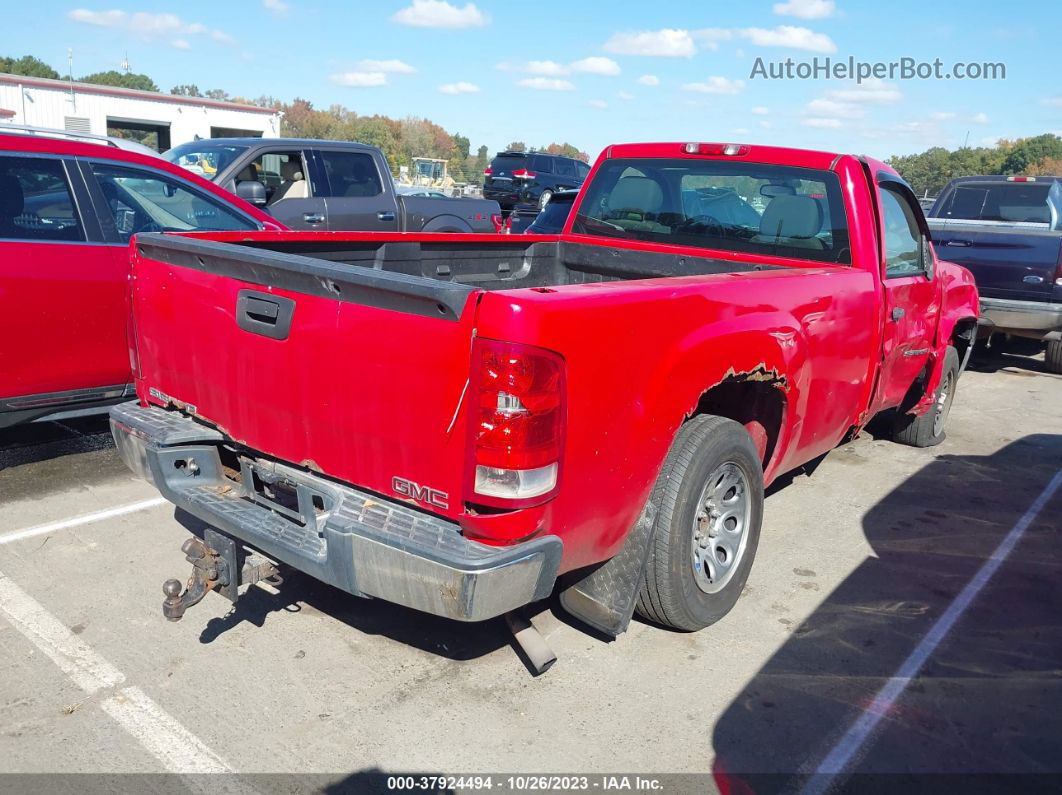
x=759 y=373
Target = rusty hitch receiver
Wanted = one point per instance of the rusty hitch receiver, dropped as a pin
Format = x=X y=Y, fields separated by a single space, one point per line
x=217 y=565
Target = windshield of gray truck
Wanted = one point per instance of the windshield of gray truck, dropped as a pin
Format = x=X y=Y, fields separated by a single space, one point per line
x=1021 y=202
x=204 y=159
x=729 y=206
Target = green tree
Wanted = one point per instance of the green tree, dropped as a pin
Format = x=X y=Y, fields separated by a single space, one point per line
x=1027 y=152
x=218 y=94
x=28 y=66
x=121 y=80
x=186 y=90
x=516 y=146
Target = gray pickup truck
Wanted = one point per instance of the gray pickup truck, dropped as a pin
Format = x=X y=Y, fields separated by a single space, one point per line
x=327 y=185
x=1007 y=230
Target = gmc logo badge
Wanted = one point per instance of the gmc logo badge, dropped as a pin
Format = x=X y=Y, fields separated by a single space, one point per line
x=429 y=496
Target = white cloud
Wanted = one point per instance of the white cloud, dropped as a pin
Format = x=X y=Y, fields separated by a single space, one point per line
x=666 y=43
x=626 y=96
x=547 y=68
x=648 y=80
x=833 y=109
x=391 y=66
x=459 y=88
x=941 y=116
x=278 y=7
x=359 y=79
x=146 y=25
x=790 y=36
x=870 y=90
x=761 y=110
x=806 y=9
x=815 y=122
x=440 y=14
x=546 y=84
x=765 y=124
x=596 y=65
x=181 y=44
x=710 y=37
x=597 y=103
x=1052 y=102
x=980 y=118
x=716 y=85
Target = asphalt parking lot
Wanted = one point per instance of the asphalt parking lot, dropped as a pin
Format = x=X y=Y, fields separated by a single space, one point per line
x=873 y=637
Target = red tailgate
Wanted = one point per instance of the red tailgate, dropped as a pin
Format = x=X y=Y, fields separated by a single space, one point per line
x=353 y=389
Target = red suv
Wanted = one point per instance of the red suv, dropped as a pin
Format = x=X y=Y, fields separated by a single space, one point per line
x=68 y=209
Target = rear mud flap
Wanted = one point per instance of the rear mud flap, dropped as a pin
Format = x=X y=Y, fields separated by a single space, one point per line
x=605 y=598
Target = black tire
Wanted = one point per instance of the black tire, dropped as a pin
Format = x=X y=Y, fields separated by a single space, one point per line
x=1053 y=357
x=544 y=199
x=670 y=594
x=930 y=429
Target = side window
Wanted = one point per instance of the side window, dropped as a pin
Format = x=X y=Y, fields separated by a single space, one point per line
x=350 y=174
x=582 y=170
x=146 y=201
x=903 y=238
x=282 y=173
x=35 y=202
x=541 y=165
x=564 y=167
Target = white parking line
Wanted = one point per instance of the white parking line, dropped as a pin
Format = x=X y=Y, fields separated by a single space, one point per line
x=848 y=747
x=177 y=749
x=88 y=518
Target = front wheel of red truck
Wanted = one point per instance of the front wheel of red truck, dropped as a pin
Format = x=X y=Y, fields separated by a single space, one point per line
x=709 y=499
x=929 y=429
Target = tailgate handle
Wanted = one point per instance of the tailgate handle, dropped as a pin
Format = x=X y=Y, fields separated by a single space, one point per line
x=264 y=313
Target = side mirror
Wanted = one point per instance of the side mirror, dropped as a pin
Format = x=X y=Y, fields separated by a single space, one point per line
x=252 y=191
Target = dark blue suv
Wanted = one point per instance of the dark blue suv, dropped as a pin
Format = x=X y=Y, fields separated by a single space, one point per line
x=523 y=180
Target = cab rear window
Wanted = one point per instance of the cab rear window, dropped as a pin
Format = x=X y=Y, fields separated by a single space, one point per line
x=722 y=205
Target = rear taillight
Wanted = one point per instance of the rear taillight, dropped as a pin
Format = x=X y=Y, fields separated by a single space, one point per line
x=517 y=423
x=488 y=171
x=523 y=173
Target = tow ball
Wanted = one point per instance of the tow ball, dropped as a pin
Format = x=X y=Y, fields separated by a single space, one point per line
x=217 y=565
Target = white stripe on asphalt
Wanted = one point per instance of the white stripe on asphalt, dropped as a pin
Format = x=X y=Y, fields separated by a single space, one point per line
x=853 y=741
x=87 y=669
x=176 y=748
x=88 y=518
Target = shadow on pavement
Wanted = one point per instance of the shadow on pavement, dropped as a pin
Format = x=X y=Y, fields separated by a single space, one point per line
x=39 y=441
x=988 y=701
x=454 y=640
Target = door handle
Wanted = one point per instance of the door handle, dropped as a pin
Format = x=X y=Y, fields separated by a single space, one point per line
x=897 y=313
x=959 y=243
x=386 y=215
x=264 y=314
x=1033 y=279
x=313 y=218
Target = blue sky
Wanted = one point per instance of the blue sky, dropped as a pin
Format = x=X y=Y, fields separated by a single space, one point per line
x=591 y=73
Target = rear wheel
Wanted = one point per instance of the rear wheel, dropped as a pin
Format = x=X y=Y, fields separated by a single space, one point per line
x=543 y=200
x=1054 y=356
x=709 y=499
x=929 y=429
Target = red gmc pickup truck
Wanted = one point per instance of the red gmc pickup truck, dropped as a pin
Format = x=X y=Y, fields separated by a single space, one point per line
x=462 y=425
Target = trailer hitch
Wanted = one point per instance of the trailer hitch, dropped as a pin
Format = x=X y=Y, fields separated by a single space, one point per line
x=217 y=565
